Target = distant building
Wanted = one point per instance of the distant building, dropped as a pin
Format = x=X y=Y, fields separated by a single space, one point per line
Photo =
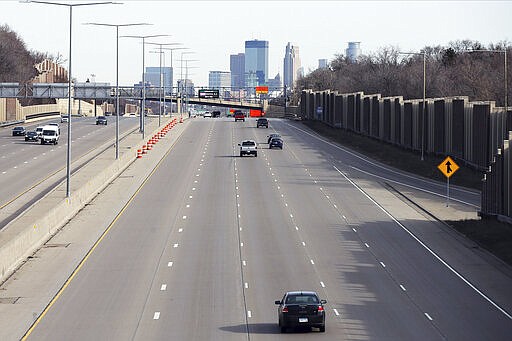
x=275 y=85
x=322 y=63
x=220 y=80
x=291 y=65
x=353 y=51
x=152 y=76
x=186 y=86
x=237 y=69
x=256 y=60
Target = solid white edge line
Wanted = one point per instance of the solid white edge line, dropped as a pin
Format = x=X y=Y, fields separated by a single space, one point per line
x=414 y=187
x=503 y=311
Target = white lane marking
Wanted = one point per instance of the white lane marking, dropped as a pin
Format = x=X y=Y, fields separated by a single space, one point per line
x=278 y=187
x=282 y=195
x=344 y=217
x=190 y=197
x=303 y=243
x=238 y=195
x=169 y=264
x=195 y=181
x=435 y=255
x=197 y=174
x=25 y=162
x=180 y=230
x=370 y=162
x=249 y=314
x=321 y=189
x=335 y=206
x=418 y=188
x=402 y=287
x=291 y=215
x=383 y=265
x=366 y=244
x=327 y=196
x=15 y=167
x=244 y=263
x=275 y=180
x=322 y=284
x=184 y=217
x=238 y=205
x=428 y=316
x=286 y=204
x=312 y=262
x=336 y=312
x=163 y=287
x=4 y=172
x=296 y=228
x=241 y=244
x=353 y=229
x=175 y=245
x=187 y=206
x=239 y=216
x=193 y=188
x=246 y=285
x=156 y=316
x=315 y=182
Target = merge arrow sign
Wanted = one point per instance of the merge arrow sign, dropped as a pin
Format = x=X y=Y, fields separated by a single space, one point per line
x=448 y=167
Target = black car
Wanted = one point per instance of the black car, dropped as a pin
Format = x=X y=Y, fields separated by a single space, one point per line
x=271 y=136
x=276 y=142
x=31 y=136
x=262 y=122
x=215 y=114
x=101 y=120
x=301 y=309
x=19 y=131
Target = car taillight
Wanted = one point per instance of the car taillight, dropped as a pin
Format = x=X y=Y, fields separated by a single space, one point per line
x=320 y=308
x=285 y=310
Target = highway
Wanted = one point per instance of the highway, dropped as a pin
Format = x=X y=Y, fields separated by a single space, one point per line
x=211 y=240
x=25 y=164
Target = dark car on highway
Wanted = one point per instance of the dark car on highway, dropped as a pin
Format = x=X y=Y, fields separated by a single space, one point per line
x=239 y=115
x=101 y=120
x=32 y=136
x=301 y=309
x=18 y=131
x=215 y=114
x=271 y=136
x=262 y=122
x=276 y=142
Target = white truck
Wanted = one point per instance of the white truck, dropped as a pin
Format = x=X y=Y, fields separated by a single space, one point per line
x=248 y=147
x=50 y=134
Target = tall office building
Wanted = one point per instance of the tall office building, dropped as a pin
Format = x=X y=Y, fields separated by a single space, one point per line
x=256 y=59
x=291 y=65
x=322 y=63
x=353 y=50
x=153 y=77
x=220 y=80
x=237 y=68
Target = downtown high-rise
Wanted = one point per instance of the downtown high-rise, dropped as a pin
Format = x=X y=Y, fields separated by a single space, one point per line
x=256 y=60
x=291 y=69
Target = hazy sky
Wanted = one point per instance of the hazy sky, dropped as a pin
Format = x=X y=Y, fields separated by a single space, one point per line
x=215 y=29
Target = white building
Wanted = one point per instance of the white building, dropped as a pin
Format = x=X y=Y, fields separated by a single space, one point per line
x=292 y=68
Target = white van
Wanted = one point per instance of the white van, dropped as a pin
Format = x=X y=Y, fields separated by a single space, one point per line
x=39 y=131
x=50 y=134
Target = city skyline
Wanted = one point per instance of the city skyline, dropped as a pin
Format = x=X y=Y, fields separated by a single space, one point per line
x=330 y=26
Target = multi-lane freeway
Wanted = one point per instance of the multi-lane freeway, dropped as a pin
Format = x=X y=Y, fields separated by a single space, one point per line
x=24 y=165
x=211 y=240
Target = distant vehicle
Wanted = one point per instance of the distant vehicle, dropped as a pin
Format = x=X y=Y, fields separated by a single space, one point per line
x=276 y=142
x=239 y=116
x=248 y=147
x=31 y=136
x=271 y=136
x=19 y=131
x=101 y=120
x=207 y=114
x=262 y=122
x=39 y=131
x=64 y=119
x=108 y=113
x=215 y=114
x=51 y=134
x=301 y=308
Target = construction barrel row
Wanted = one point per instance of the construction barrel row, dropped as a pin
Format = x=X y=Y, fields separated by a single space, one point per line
x=155 y=138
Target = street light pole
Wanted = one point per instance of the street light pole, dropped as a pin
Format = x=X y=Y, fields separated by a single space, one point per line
x=172 y=69
x=68 y=152
x=117 y=73
x=424 y=109
x=141 y=129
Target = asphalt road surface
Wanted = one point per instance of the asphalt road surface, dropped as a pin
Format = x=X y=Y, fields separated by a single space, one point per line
x=212 y=240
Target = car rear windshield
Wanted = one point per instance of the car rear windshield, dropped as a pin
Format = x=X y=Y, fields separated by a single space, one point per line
x=301 y=299
x=248 y=143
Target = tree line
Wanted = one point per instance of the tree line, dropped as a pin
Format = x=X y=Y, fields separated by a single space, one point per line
x=460 y=69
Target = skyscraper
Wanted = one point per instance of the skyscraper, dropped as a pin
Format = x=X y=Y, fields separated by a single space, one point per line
x=256 y=59
x=153 y=77
x=322 y=63
x=291 y=65
x=237 y=68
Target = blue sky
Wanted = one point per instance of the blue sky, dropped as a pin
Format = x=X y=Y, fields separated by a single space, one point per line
x=215 y=29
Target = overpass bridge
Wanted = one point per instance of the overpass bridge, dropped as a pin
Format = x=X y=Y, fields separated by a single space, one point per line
x=104 y=91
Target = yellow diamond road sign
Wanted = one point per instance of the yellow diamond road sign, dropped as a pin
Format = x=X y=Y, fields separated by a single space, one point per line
x=448 y=167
